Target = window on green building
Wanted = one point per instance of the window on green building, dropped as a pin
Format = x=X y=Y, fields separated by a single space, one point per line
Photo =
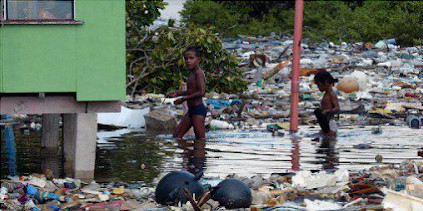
x=1 y=10
x=38 y=10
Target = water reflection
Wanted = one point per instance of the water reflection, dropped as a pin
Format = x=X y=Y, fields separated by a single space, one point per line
x=327 y=148
x=27 y=144
x=131 y=157
x=295 y=153
x=194 y=158
x=52 y=161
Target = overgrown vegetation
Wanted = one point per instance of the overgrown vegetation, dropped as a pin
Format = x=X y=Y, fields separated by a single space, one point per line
x=158 y=65
x=335 y=21
x=155 y=60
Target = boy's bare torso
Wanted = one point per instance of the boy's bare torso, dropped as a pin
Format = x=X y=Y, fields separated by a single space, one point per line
x=192 y=87
x=327 y=102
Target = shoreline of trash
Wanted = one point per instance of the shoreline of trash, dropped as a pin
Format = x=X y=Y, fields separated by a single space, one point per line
x=379 y=188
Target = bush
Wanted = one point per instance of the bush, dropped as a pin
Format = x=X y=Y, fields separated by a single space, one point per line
x=159 y=64
x=336 y=21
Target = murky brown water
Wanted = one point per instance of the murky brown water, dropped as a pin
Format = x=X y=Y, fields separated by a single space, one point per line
x=129 y=155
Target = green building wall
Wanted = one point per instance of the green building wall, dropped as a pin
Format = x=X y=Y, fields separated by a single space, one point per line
x=86 y=59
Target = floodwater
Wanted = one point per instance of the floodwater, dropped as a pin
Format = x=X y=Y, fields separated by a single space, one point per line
x=129 y=155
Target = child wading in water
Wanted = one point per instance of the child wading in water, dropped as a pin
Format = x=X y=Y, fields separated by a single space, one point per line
x=329 y=104
x=195 y=117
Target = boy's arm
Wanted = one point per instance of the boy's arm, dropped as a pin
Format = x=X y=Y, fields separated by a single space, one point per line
x=174 y=93
x=335 y=103
x=199 y=77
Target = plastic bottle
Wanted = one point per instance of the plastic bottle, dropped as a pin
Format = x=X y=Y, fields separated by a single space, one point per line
x=217 y=124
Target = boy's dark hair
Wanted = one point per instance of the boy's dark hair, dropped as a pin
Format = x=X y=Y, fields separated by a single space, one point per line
x=195 y=50
x=324 y=76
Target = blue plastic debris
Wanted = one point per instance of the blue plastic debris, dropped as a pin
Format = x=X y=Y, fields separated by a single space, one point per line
x=54 y=207
x=10 y=150
x=218 y=104
x=30 y=190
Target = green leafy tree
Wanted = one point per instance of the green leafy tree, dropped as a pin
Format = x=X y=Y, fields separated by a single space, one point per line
x=155 y=58
x=160 y=64
x=208 y=13
x=394 y=19
x=350 y=21
x=140 y=14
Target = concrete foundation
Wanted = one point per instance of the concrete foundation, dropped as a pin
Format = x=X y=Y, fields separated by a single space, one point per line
x=79 y=129
x=80 y=136
x=50 y=133
x=50 y=144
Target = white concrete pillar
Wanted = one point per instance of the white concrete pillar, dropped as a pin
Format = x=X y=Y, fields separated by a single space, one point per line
x=79 y=145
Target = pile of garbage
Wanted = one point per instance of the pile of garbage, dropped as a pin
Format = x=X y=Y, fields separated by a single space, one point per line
x=378 y=188
x=44 y=192
x=379 y=84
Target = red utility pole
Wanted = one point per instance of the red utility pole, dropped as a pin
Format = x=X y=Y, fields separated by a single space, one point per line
x=295 y=89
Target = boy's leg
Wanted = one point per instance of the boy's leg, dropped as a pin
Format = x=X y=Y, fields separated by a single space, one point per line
x=198 y=121
x=183 y=127
x=323 y=120
x=332 y=134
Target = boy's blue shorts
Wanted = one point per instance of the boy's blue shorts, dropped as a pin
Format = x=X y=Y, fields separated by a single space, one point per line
x=197 y=110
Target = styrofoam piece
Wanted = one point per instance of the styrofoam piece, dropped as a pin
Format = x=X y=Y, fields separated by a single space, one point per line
x=401 y=202
x=131 y=118
x=321 y=205
x=306 y=179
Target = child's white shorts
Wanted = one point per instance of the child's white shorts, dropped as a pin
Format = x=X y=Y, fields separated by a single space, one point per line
x=333 y=125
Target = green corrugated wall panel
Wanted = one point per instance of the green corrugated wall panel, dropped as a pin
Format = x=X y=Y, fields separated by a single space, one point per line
x=88 y=59
x=39 y=58
x=101 y=67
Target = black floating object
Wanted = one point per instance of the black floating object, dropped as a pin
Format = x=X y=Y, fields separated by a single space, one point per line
x=415 y=123
x=170 y=191
x=232 y=194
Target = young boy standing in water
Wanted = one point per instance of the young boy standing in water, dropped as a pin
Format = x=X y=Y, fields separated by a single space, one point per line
x=196 y=89
x=329 y=104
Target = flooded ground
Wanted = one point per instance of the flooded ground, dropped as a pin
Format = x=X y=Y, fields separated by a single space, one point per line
x=129 y=155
